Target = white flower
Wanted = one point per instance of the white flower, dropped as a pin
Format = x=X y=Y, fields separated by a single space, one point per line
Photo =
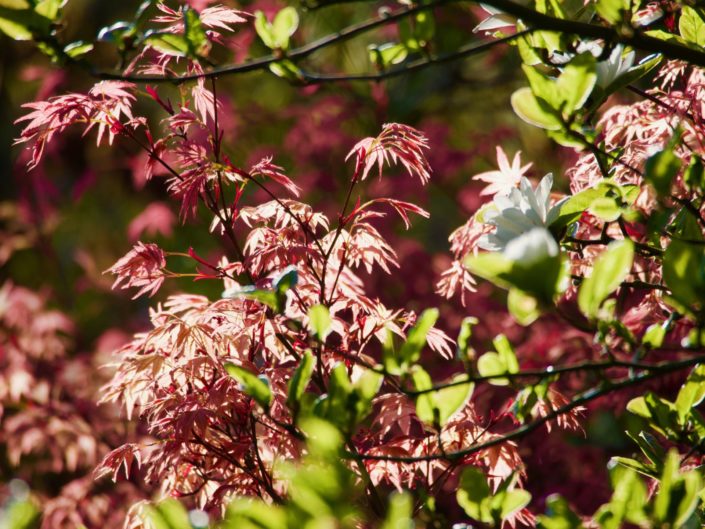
x=505 y=179
x=532 y=246
x=519 y=212
x=614 y=67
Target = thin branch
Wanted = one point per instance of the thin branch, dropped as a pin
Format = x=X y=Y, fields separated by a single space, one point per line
x=302 y=52
x=546 y=373
x=517 y=433
x=462 y=52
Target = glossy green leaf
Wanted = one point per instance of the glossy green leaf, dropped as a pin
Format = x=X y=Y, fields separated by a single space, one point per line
x=691 y=393
x=661 y=169
x=610 y=269
x=253 y=385
x=300 y=379
x=613 y=11
x=168 y=43
x=534 y=111
x=285 y=24
x=410 y=351
x=501 y=362
x=654 y=336
x=264 y=30
x=464 y=348
x=473 y=493
x=684 y=271
x=692 y=26
x=78 y=48
x=320 y=321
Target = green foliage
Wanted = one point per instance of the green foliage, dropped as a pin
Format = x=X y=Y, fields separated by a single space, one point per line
x=436 y=407
x=478 y=502
x=542 y=279
x=465 y=352
x=346 y=404
x=662 y=168
x=168 y=514
x=277 y=34
x=691 y=393
x=275 y=298
x=610 y=269
x=684 y=273
x=552 y=104
x=692 y=25
x=399 y=362
x=614 y=11
x=298 y=382
x=253 y=385
x=501 y=362
x=558 y=515
x=594 y=199
x=19 y=514
x=320 y=321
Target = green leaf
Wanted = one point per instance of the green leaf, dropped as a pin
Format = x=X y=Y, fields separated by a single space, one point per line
x=320 y=321
x=246 y=513
x=610 y=269
x=627 y=502
x=410 y=351
x=465 y=351
x=473 y=493
x=388 y=54
x=654 y=336
x=650 y=447
x=691 y=393
x=576 y=82
x=677 y=496
x=285 y=24
x=264 y=30
x=558 y=515
x=168 y=43
x=694 y=176
x=606 y=209
x=535 y=111
x=400 y=512
x=437 y=407
x=542 y=279
x=524 y=308
x=692 y=26
x=20 y=515
x=501 y=362
x=168 y=514
x=299 y=380
x=613 y=11
x=78 y=48
x=49 y=8
x=512 y=501
x=662 y=168
x=684 y=271
x=632 y=75
x=425 y=404
x=23 y=24
x=571 y=209
x=194 y=33
x=287 y=70
x=255 y=386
